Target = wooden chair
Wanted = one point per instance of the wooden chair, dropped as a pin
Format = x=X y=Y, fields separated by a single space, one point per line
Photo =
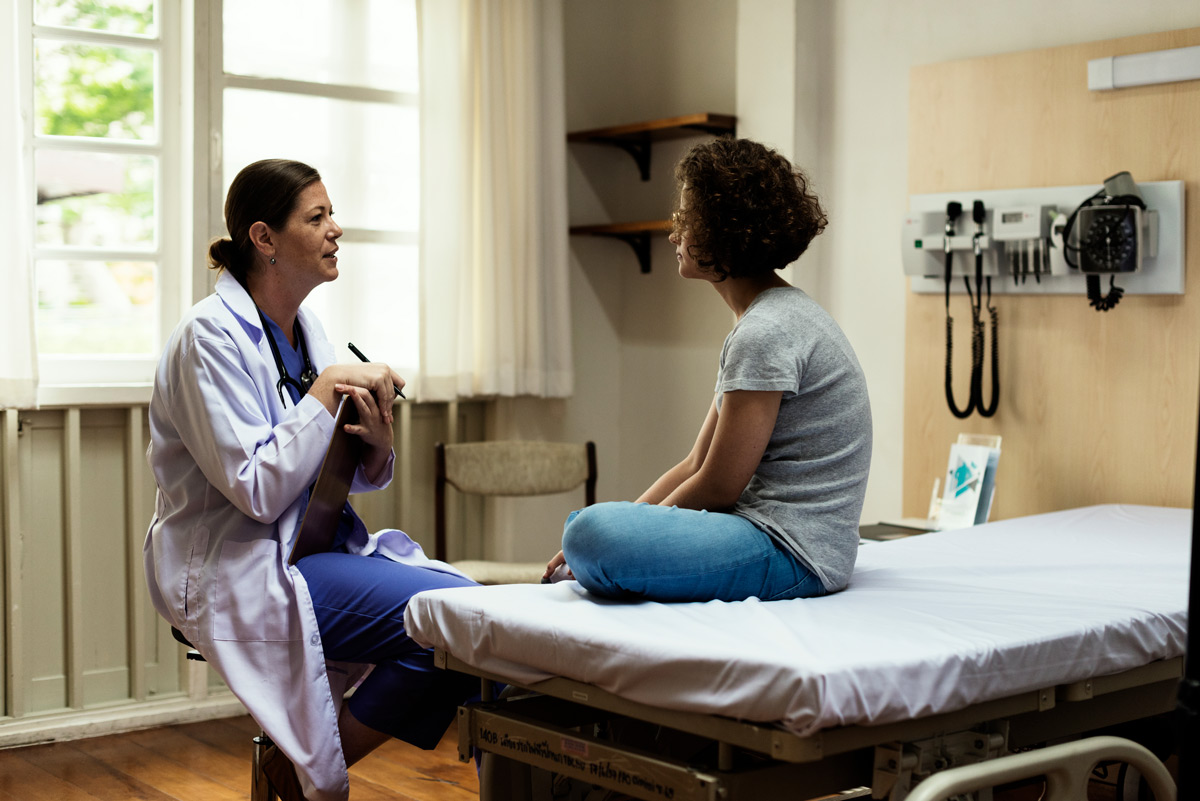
x=260 y=786
x=507 y=469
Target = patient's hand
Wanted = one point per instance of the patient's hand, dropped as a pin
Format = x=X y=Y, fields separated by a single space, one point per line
x=557 y=570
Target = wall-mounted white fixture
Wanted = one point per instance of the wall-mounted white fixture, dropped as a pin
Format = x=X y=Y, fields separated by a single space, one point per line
x=1140 y=69
x=1014 y=247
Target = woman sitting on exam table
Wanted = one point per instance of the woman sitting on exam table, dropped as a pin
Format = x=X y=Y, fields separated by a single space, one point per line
x=767 y=503
x=242 y=411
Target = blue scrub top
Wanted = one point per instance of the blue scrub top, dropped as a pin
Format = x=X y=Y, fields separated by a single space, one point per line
x=294 y=363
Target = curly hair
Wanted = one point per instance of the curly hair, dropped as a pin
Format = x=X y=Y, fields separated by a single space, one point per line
x=744 y=208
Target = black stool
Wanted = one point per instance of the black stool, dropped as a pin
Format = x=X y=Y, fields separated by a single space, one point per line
x=260 y=787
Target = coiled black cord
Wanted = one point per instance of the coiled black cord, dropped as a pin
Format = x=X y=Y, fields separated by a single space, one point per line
x=990 y=409
x=1103 y=302
x=954 y=410
x=975 y=396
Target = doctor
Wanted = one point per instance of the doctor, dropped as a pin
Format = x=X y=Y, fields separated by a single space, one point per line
x=243 y=407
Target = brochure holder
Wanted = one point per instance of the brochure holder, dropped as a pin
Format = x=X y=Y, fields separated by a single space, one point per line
x=970 y=483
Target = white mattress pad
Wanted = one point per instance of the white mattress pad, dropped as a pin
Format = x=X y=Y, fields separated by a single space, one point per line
x=929 y=624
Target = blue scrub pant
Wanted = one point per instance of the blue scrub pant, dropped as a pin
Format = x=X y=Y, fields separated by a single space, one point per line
x=360 y=602
x=663 y=553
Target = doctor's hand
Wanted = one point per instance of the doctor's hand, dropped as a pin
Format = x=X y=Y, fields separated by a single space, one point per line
x=377 y=378
x=553 y=566
x=373 y=427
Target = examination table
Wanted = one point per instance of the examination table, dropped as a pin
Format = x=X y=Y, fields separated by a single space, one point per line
x=946 y=649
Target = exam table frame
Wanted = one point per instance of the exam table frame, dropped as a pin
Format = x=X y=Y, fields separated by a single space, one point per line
x=551 y=725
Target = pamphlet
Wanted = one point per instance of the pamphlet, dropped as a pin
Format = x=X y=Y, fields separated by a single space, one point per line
x=970 y=485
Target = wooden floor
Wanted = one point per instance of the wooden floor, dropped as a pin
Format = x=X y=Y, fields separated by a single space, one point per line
x=210 y=761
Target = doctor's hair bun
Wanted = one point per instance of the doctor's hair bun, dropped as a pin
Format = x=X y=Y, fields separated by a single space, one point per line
x=222 y=255
x=745 y=209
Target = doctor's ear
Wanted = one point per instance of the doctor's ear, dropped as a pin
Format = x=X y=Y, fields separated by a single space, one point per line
x=262 y=239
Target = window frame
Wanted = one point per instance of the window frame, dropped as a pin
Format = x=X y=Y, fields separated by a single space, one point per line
x=331 y=91
x=100 y=379
x=189 y=105
x=213 y=132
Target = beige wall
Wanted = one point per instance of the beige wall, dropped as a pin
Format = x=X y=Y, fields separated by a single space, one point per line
x=646 y=345
x=670 y=58
x=876 y=43
x=1097 y=408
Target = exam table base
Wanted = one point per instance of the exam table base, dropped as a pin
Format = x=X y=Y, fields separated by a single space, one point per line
x=540 y=736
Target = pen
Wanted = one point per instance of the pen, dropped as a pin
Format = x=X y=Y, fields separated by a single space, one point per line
x=363 y=357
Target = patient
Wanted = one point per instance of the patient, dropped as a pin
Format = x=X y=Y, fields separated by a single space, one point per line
x=767 y=502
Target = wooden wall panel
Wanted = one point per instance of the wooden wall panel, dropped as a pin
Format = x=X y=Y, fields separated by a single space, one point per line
x=106 y=578
x=43 y=601
x=10 y=557
x=81 y=647
x=1095 y=407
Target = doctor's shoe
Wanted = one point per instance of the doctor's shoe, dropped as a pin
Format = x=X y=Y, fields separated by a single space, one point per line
x=282 y=775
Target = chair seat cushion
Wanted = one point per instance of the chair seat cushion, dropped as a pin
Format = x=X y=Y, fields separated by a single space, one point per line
x=502 y=572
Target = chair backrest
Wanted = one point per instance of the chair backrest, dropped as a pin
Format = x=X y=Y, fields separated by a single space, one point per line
x=509 y=468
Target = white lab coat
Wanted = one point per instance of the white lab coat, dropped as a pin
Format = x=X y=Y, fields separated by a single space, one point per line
x=232 y=463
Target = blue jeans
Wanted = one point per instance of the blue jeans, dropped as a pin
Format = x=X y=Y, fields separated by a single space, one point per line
x=637 y=550
x=360 y=602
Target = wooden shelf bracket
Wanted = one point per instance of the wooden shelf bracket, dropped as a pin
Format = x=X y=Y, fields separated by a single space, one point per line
x=635 y=234
x=638 y=148
x=640 y=242
x=637 y=139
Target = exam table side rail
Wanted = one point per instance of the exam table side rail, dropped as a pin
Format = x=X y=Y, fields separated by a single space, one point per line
x=1047 y=714
x=1066 y=768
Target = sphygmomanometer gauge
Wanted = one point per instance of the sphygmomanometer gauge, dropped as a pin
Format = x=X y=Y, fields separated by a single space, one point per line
x=1110 y=239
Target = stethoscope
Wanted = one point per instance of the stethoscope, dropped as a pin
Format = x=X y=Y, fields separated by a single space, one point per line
x=307 y=376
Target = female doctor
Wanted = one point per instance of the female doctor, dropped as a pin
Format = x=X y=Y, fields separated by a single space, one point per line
x=243 y=408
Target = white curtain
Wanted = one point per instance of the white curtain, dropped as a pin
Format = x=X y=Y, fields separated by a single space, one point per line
x=18 y=346
x=495 y=317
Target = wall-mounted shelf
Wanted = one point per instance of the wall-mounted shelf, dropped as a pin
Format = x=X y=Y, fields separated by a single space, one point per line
x=635 y=234
x=636 y=138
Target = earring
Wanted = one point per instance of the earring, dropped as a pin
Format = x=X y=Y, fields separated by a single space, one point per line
x=272 y=260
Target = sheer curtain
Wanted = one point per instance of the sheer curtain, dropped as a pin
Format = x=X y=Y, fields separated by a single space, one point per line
x=18 y=353
x=495 y=317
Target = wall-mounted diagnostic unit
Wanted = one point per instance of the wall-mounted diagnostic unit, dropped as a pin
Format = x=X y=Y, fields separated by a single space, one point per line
x=1047 y=240
x=1131 y=234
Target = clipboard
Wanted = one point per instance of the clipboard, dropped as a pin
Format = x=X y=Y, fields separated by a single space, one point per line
x=329 y=493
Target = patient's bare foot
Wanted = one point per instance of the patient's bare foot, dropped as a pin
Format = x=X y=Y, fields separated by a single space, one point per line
x=282 y=775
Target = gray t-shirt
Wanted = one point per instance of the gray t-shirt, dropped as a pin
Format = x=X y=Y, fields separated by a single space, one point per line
x=807 y=491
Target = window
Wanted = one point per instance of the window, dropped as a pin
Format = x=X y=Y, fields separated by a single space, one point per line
x=104 y=142
x=135 y=133
x=335 y=85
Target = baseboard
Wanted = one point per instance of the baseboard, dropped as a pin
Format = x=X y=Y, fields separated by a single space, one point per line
x=80 y=724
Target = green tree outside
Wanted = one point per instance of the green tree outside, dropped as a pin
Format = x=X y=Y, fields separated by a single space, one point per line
x=97 y=91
